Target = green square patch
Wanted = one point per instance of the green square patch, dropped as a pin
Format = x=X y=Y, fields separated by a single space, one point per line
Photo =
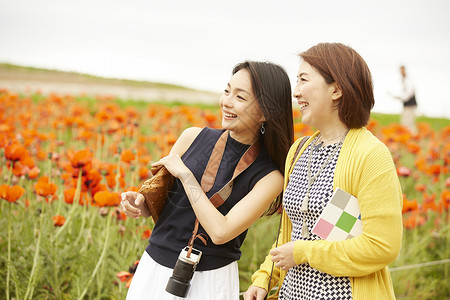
x=346 y=222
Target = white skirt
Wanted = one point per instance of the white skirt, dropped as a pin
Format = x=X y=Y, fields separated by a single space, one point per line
x=150 y=280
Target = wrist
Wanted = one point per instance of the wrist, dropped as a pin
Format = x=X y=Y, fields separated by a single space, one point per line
x=186 y=176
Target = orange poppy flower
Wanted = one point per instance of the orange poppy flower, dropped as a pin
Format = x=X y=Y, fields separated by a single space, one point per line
x=111 y=181
x=3 y=138
x=98 y=188
x=445 y=199
x=127 y=156
x=80 y=158
x=44 y=188
x=413 y=148
x=146 y=234
x=421 y=164
x=58 y=220
x=409 y=205
x=69 y=195
x=34 y=173
x=15 y=152
x=106 y=198
x=93 y=178
x=28 y=161
x=11 y=193
x=19 y=169
x=210 y=118
x=428 y=202
x=435 y=169
x=413 y=220
x=421 y=187
x=144 y=172
x=113 y=126
x=128 y=276
x=123 y=275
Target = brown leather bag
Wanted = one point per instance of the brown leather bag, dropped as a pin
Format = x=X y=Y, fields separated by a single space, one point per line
x=155 y=190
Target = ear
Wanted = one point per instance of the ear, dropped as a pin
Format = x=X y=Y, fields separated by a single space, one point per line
x=336 y=91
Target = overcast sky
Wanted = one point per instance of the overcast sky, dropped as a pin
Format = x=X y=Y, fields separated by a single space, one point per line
x=196 y=43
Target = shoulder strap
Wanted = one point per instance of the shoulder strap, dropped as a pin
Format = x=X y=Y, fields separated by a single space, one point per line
x=209 y=177
x=299 y=146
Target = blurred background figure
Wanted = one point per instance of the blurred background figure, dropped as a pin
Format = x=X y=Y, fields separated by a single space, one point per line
x=408 y=97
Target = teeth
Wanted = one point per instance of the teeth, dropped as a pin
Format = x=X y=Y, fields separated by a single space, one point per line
x=229 y=115
x=303 y=105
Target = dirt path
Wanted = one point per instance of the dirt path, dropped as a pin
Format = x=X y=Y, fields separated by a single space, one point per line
x=27 y=81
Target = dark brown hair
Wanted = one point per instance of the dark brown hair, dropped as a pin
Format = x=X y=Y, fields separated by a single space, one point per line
x=343 y=65
x=272 y=89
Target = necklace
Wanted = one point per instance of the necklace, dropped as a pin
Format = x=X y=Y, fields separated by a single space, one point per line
x=317 y=145
x=311 y=179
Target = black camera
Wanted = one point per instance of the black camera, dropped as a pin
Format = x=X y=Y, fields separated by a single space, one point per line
x=178 y=283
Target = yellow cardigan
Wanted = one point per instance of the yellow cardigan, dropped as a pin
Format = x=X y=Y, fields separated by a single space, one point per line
x=366 y=170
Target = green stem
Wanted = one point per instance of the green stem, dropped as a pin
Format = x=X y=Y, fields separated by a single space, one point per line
x=10 y=173
x=30 y=286
x=102 y=257
x=9 y=252
x=50 y=166
x=76 y=200
x=83 y=221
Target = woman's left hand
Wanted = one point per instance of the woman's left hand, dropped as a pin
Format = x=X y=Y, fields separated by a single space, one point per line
x=283 y=256
x=175 y=166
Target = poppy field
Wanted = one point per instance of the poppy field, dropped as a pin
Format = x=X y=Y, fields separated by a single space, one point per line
x=64 y=160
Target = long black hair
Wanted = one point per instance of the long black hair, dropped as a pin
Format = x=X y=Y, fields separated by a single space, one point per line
x=272 y=89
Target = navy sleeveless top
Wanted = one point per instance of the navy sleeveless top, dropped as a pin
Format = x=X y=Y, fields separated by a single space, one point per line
x=174 y=227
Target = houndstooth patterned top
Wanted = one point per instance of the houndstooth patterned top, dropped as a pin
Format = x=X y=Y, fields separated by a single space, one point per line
x=303 y=281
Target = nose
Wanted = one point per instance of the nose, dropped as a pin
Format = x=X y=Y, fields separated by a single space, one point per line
x=226 y=100
x=297 y=92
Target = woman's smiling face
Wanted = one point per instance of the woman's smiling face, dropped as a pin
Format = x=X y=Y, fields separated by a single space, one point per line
x=315 y=96
x=241 y=113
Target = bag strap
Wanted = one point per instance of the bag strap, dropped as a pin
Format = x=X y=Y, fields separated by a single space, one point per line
x=209 y=177
x=300 y=145
x=294 y=159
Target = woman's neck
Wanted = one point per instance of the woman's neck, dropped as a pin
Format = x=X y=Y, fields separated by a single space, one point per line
x=333 y=134
x=247 y=139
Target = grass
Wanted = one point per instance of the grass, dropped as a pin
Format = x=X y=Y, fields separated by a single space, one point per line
x=73 y=76
x=80 y=259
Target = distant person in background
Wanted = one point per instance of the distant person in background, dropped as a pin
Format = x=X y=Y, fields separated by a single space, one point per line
x=408 y=97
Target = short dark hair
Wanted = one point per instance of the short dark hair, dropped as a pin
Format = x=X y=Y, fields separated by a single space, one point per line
x=341 y=64
x=272 y=90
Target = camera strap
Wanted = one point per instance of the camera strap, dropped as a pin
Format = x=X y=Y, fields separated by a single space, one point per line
x=209 y=177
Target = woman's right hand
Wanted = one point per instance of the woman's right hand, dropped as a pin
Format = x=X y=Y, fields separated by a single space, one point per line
x=133 y=205
x=255 y=293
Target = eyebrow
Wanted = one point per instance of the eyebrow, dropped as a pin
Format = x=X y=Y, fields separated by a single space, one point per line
x=302 y=73
x=238 y=89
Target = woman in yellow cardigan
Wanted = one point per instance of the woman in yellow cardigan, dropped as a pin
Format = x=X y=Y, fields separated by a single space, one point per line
x=335 y=93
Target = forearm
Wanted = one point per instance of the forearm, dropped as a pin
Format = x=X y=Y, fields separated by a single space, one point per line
x=359 y=256
x=209 y=217
x=242 y=215
x=378 y=245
